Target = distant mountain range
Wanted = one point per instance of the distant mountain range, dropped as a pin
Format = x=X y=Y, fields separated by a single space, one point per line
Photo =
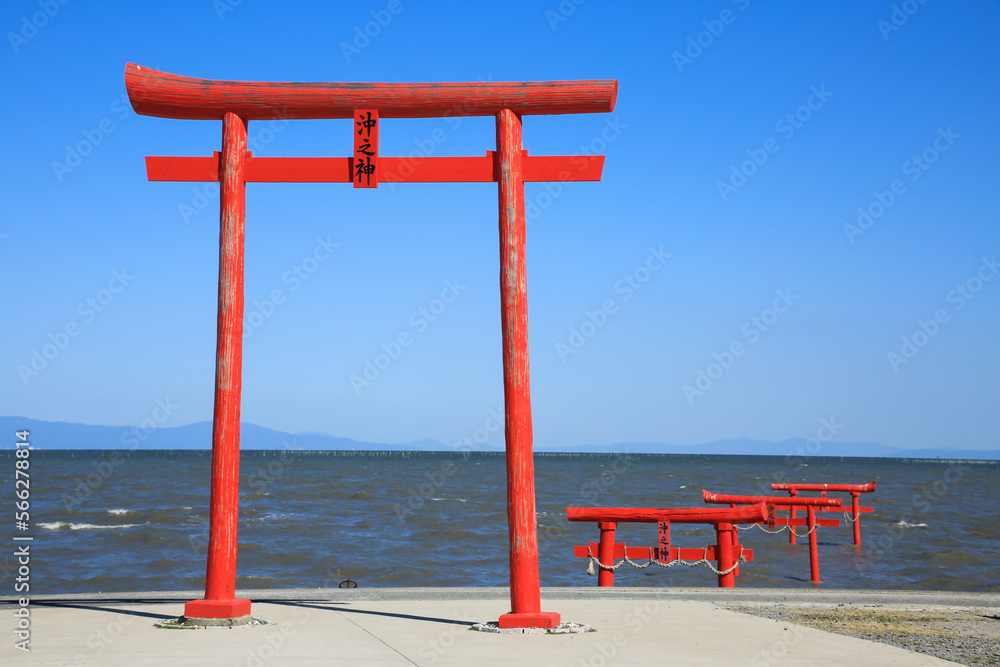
x=63 y=435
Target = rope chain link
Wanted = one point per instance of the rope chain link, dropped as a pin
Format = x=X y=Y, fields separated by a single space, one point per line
x=689 y=563
x=790 y=529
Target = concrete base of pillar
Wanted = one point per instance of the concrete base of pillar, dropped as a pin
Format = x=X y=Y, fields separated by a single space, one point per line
x=538 y=619
x=209 y=609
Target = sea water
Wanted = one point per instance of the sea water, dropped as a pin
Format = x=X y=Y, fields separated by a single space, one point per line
x=116 y=521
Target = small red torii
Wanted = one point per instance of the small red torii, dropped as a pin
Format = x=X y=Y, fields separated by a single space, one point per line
x=782 y=503
x=235 y=103
x=853 y=489
x=725 y=522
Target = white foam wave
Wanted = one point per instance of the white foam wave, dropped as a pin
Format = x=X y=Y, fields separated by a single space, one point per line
x=60 y=525
x=903 y=524
x=454 y=500
x=118 y=511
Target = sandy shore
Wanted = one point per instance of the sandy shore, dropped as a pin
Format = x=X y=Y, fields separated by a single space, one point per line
x=966 y=635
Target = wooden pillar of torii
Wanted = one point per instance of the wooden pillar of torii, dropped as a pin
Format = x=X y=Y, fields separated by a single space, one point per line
x=237 y=103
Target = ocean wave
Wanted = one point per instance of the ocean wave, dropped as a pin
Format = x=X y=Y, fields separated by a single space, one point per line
x=119 y=511
x=903 y=524
x=457 y=500
x=270 y=517
x=66 y=525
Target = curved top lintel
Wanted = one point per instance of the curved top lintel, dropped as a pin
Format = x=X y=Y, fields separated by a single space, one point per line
x=154 y=93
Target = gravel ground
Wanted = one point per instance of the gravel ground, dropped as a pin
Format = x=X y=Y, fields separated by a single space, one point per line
x=968 y=636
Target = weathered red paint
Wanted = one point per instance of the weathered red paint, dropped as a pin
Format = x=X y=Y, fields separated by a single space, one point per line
x=780 y=502
x=154 y=93
x=813 y=548
x=867 y=487
x=724 y=541
x=525 y=594
x=854 y=489
x=752 y=514
x=791 y=515
x=604 y=550
x=723 y=551
x=220 y=580
x=438 y=169
x=856 y=514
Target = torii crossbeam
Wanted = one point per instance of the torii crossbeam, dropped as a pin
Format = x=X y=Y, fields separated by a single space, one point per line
x=154 y=93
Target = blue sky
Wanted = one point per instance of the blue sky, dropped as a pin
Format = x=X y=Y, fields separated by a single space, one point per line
x=745 y=140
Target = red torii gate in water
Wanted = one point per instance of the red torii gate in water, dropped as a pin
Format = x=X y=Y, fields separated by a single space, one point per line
x=154 y=93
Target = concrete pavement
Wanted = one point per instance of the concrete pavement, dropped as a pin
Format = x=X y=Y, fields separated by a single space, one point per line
x=428 y=626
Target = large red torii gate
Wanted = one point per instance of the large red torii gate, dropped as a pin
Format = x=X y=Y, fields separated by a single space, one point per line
x=154 y=93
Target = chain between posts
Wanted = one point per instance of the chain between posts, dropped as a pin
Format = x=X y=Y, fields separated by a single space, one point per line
x=689 y=563
x=790 y=529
